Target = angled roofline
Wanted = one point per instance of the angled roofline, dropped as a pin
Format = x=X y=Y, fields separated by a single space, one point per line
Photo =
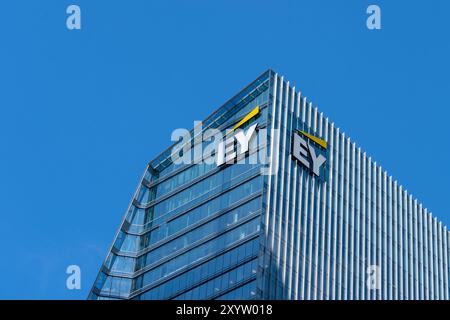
x=266 y=74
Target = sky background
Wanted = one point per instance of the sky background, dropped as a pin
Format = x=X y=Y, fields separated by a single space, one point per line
x=83 y=111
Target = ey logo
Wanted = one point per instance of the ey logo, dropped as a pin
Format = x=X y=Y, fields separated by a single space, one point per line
x=237 y=144
x=306 y=153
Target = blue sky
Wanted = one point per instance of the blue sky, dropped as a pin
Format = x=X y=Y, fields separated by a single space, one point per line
x=81 y=112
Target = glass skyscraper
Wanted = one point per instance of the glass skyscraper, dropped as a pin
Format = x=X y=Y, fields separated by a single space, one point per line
x=302 y=213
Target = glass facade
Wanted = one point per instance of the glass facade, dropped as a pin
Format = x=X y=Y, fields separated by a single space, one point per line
x=192 y=231
x=236 y=231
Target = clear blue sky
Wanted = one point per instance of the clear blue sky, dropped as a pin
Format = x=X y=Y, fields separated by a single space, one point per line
x=81 y=112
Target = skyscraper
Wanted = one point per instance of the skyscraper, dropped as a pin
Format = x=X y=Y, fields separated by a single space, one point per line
x=268 y=199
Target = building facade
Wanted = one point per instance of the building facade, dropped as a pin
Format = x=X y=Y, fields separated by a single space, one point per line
x=296 y=211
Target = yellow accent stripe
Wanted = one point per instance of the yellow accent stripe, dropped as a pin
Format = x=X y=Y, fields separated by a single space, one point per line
x=320 y=142
x=250 y=115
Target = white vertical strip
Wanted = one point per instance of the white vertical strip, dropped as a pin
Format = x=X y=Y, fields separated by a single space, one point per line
x=409 y=270
x=421 y=255
x=285 y=193
x=430 y=254
x=292 y=285
x=376 y=220
x=346 y=218
x=379 y=231
x=331 y=147
x=304 y=237
x=275 y=214
x=314 y=245
x=396 y=244
x=425 y=240
x=276 y=159
x=410 y=250
x=297 y=294
x=316 y=216
x=295 y=209
x=445 y=257
x=324 y=218
x=401 y=250
x=309 y=122
x=385 y=238
x=373 y=223
x=417 y=295
x=272 y=164
x=352 y=222
x=281 y=271
x=405 y=245
x=369 y=223
x=447 y=260
x=341 y=214
x=358 y=226
x=391 y=241
x=363 y=225
x=318 y=129
x=436 y=263
x=441 y=266
x=298 y=275
x=311 y=219
x=314 y=119
x=304 y=216
x=335 y=209
x=290 y=207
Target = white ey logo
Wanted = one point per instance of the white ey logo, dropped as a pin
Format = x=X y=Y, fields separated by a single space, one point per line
x=228 y=150
x=306 y=154
x=215 y=146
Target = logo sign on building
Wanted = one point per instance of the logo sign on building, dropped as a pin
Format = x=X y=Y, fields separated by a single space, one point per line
x=237 y=144
x=307 y=153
